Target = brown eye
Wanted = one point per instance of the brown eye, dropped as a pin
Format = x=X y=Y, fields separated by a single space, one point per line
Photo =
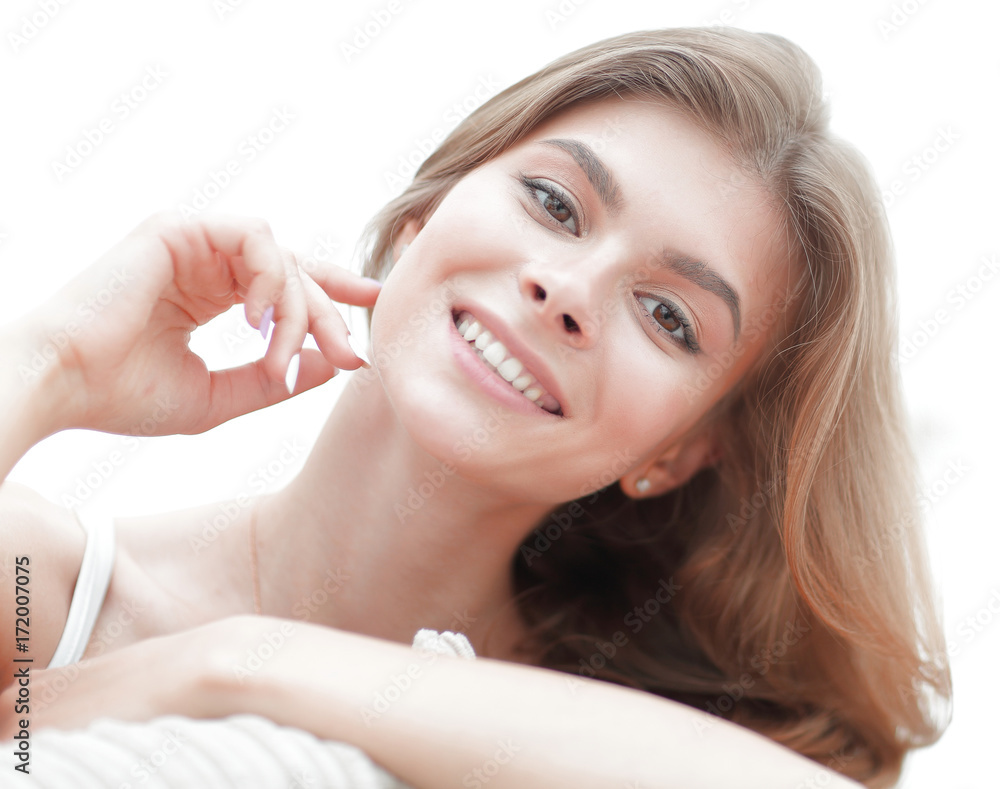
x=670 y=320
x=666 y=318
x=553 y=202
x=556 y=207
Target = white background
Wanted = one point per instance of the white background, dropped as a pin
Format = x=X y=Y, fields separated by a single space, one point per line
x=900 y=75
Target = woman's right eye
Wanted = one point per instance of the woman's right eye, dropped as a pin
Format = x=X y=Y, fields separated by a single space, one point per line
x=554 y=202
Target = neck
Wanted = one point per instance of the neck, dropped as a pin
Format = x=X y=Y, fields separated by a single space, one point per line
x=377 y=536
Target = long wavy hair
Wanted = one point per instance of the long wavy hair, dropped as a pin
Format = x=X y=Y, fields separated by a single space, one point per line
x=785 y=588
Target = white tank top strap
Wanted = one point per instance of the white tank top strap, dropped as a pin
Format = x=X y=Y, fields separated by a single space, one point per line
x=91 y=587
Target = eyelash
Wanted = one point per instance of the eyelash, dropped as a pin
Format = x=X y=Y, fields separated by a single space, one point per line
x=689 y=342
x=531 y=185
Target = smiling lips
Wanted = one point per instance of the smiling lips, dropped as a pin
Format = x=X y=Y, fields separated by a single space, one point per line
x=507 y=366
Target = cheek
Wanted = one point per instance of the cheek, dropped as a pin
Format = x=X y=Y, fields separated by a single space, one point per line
x=643 y=404
x=474 y=225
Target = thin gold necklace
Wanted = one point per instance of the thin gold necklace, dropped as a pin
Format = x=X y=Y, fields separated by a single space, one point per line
x=253 y=559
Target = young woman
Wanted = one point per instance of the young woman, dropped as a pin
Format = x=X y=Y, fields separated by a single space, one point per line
x=631 y=416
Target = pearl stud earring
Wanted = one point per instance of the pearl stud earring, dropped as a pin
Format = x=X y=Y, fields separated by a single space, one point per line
x=643 y=485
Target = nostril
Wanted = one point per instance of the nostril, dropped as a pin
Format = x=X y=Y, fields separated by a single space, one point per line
x=571 y=325
x=540 y=293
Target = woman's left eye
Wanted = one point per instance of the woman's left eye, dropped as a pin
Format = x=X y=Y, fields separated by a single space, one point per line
x=554 y=202
x=670 y=320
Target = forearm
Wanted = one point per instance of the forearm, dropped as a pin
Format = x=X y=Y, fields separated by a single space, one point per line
x=450 y=722
x=29 y=396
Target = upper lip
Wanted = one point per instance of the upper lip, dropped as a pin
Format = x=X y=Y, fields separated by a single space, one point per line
x=533 y=362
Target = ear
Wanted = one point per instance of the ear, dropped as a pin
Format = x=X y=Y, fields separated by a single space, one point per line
x=673 y=468
x=403 y=238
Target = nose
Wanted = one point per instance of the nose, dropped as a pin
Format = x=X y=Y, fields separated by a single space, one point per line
x=566 y=300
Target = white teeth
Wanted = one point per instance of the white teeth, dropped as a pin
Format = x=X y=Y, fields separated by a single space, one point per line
x=510 y=369
x=472 y=331
x=495 y=353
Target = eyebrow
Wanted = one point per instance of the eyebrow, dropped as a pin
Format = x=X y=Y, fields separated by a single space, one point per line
x=599 y=176
x=705 y=278
x=609 y=192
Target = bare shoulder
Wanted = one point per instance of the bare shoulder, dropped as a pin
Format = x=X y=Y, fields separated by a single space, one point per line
x=41 y=547
x=173 y=571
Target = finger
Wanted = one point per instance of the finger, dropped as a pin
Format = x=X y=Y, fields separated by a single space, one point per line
x=254 y=256
x=291 y=320
x=327 y=326
x=345 y=286
x=240 y=390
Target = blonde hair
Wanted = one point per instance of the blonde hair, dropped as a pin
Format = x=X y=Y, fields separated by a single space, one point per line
x=798 y=598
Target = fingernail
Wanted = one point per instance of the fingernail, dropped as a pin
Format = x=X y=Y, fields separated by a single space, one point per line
x=358 y=351
x=293 y=374
x=372 y=279
x=265 y=321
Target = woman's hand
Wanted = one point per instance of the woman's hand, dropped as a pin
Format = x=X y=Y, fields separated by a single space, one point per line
x=164 y=675
x=124 y=325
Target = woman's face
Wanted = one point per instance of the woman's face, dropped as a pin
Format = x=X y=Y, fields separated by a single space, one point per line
x=631 y=271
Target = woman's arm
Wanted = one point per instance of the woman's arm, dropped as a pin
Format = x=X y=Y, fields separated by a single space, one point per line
x=30 y=400
x=450 y=722
x=433 y=721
